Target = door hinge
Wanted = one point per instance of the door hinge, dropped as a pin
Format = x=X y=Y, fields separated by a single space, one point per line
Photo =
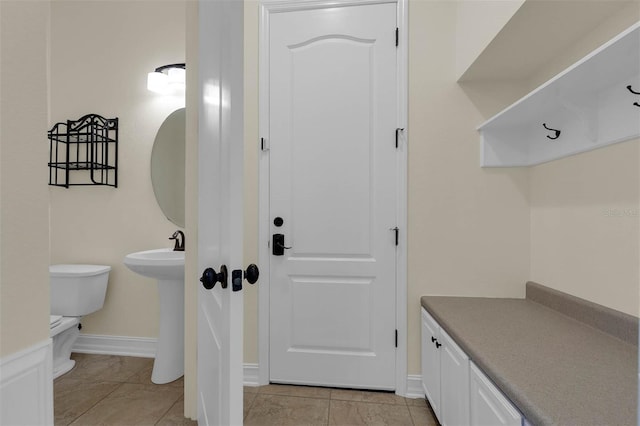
x=397 y=231
x=263 y=145
x=397 y=36
x=396 y=338
x=398 y=130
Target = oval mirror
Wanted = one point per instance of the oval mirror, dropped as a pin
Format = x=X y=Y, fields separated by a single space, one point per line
x=167 y=167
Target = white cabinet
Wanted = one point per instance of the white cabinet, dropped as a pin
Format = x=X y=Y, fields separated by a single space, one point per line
x=488 y=407
x=454 y=382
x=445 y=374
x=591 y=104
x=459 y=393
x=431 y=361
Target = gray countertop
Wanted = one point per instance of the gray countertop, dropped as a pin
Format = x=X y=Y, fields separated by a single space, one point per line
x=556 y=370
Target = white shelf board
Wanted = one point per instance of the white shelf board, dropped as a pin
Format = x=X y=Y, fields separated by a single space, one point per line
x=588 y=102
x=537 y=33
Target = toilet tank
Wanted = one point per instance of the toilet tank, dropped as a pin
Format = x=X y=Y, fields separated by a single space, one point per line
x=77 y=290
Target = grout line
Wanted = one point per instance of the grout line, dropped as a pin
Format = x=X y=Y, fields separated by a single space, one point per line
x=97 y=402
x=169 y=409
x=253 y=400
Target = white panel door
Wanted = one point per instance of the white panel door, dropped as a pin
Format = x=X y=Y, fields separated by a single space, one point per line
x=220 y=227
x=333 y=162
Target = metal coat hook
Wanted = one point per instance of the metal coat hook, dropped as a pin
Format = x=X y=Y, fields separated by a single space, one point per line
x=635 y=93
x=557 y=132
x=632 y=91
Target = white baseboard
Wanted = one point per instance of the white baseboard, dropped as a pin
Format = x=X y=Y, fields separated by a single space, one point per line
x=144 y=347
x=26 y=386
x=414 y=387
x=250 y=373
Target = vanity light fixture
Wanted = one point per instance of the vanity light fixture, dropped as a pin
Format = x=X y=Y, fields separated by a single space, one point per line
x=167 y=79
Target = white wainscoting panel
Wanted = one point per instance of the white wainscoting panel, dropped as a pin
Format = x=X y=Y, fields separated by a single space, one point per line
x=26 y=386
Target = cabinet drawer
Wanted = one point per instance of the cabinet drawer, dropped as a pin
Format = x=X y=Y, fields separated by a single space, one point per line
x=488 y=407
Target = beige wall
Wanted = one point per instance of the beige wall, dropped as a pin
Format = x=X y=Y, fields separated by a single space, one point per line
x=251 y=137
x=478 y=22
x=585 y=225
x=468 y=226
x=191 y=215
x=24 y=202
x=585 y=209
x=101 y=52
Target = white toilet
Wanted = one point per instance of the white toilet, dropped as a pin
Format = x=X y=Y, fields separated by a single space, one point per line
x=76 y=290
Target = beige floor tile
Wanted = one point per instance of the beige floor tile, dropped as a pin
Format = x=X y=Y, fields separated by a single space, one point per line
x=367 y=396
x=290 y=390
x=73 y=397
x=422 y=415
x=279 y=410
x=175 y=416
x=132 y=404
x=111 y=368
x=144 y=376
x=363 y=413
x=248 y=398
x=416 y=401
x=251 y=389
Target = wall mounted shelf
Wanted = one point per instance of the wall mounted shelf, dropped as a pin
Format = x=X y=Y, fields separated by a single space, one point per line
x=89 y=144
x=589 y=103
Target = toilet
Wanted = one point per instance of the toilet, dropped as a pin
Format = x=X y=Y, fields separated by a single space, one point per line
x=76 y=291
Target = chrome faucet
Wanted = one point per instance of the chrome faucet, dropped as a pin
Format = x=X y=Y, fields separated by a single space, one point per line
x=179 y=237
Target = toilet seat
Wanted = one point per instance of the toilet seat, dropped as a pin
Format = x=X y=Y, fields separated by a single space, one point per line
x=63 y=324
x=54 y=320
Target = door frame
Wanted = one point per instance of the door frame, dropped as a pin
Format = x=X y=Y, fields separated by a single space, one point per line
x=267 y=7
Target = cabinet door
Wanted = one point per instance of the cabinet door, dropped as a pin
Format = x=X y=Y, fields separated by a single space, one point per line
x=454 y=389
x=431 y=361
x=488 y=407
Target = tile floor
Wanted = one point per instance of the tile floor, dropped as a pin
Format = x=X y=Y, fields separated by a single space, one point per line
x=117 y=390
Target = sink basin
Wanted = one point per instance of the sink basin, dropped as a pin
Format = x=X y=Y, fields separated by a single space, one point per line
x=167 y=267
x=161 y=264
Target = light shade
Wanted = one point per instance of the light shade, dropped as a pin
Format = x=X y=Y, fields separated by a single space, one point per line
x=167 y=79
x=158 y=82
x=177 y=76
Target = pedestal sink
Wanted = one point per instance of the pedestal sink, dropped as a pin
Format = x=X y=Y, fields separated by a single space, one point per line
x=166 y=266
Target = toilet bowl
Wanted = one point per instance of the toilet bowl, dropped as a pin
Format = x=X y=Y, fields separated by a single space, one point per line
x=76 y=290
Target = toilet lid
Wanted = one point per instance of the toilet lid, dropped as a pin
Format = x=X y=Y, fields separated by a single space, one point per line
x=77 y=270
x=54 y=320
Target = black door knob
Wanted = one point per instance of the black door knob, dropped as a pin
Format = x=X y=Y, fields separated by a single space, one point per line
x=251 y=274
x=210 y=277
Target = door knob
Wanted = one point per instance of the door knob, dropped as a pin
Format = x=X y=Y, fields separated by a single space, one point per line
x=210 y=277
x=252 y=273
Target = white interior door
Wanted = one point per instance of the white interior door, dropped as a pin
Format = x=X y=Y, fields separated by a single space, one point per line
x=220 y=165
x=333 y=171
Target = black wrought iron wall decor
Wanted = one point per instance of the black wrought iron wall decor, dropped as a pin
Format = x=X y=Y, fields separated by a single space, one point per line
x=89 y=144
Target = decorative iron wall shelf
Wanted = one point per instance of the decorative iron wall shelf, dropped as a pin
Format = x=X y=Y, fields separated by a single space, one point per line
x=88 y=146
